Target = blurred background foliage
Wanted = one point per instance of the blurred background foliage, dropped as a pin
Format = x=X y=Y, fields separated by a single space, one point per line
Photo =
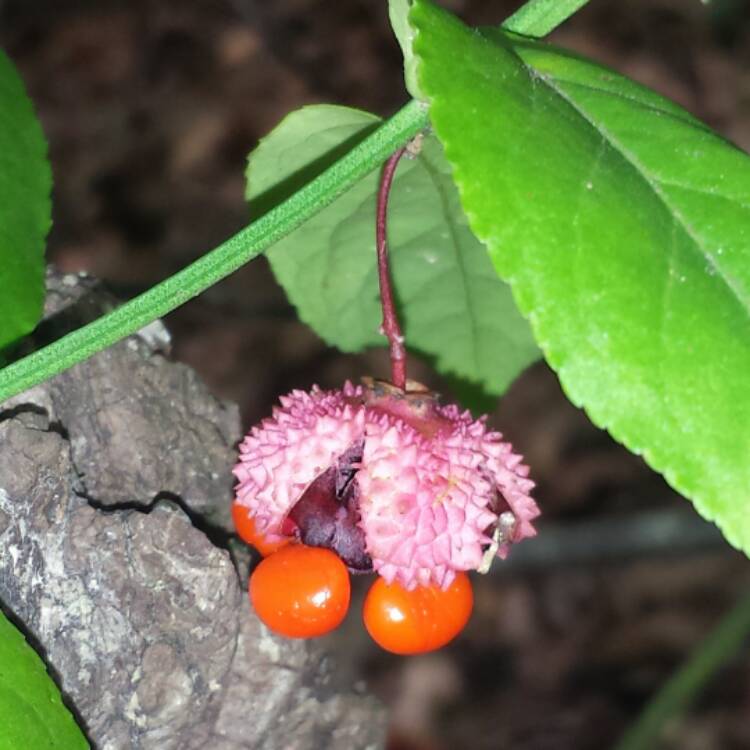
x=151 y=108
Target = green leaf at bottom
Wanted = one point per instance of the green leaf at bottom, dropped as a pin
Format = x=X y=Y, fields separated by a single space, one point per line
x=623 y=225
x=32 y=714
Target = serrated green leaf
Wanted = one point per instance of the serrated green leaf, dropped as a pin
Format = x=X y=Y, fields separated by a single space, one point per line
x=454 y=308
x=398 y=13
x=623 y=226
x=25 y=184
x=32 y=714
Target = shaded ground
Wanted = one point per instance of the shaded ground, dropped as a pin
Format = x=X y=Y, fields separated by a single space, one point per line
x=150 y=109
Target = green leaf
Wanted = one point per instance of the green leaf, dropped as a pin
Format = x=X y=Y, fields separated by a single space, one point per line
x=453 y=306
x=32 y=714
x=25 y=184
x=623 y=226
x=398 y=12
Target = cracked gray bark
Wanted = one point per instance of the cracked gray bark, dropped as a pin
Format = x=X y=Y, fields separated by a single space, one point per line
x=139 y=424
x=140 y=617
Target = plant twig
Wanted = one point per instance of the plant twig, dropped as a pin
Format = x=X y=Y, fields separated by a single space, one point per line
x=538 y=17
x=613 y=539
x=219 y=263
x=390 y=327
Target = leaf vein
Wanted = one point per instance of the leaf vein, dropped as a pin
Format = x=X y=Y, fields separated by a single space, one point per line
x=705 y=191
x=684 y=119
x=655 y=186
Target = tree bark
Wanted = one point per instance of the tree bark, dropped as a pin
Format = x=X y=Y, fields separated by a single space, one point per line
x=110 y=475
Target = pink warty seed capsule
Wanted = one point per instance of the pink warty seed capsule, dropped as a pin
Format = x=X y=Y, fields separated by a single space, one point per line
x=388 y=479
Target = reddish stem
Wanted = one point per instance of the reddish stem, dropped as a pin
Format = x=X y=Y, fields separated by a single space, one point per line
x=390 y=327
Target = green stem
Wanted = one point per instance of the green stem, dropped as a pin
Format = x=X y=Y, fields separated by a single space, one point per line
x=215 y=265
x=538 y=17
x=683 y=687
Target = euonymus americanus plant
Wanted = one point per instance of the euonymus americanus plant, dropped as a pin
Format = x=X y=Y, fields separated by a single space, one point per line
x=555 y=209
